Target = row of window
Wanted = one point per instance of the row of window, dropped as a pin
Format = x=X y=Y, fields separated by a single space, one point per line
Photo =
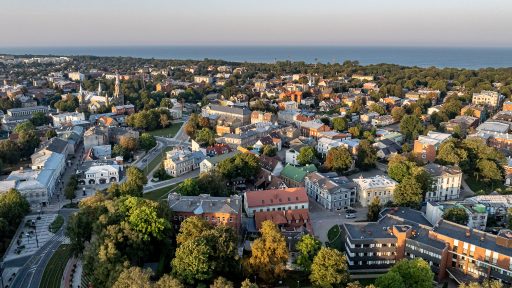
x=207 y=218
x=281 y=208
x=423 y=251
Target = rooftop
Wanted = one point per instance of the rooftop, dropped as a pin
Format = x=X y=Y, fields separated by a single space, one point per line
x=204 y=204
x=262 y=198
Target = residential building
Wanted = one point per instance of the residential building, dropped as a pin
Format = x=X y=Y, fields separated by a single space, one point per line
x=214 y=210
x=377 y=186
x=291 y=156
x=209 y=163
x=203 y=79
x=477 y=213
x=95 y=136
x=99 y=172
x=241 y=113
x=425 y=147
x=123 y=109
x=19 y=115
x=330 y=191
x=246 y=139
x=293 y=176
x=68 y=119
x=383 y=120
x=258 y=117
x=478 y=111
x=446 y=182
x=386 y=148
x=325 y=144
x=275 y=200
x=180 y=161
x=313 y=129
x=271 y=164
x=490 y=98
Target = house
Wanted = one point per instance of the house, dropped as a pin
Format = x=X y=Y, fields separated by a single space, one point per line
x=209 y=163
x=425 y=147
x=291 y=156
x=180 y=161
x=325 y=144
x=275 y=200
x=123 y=109
x=478 y=111
x=377 y=186
x=330 y=191
x=68 y=119
x=214 y=210
x=217 y=149
x=446 y=182
x=383 y=120
x=386 y=148
x=203 y=79
x=258 y=116
x=293 y=176
x=95 y=136
x=271 y=164
x=99 y=172
x=313 y=129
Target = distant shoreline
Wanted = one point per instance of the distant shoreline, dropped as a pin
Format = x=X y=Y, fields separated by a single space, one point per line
x=441 y=57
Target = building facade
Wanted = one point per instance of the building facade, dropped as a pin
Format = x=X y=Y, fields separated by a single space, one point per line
x=377 y=186
x=446 y=182
x=330 y=191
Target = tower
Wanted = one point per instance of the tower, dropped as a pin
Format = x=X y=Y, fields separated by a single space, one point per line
x=81 y=95
x=99 y=88
x=107 y=102
x=118 y=98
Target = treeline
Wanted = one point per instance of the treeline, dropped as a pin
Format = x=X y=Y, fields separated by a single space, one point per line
x=13 y=208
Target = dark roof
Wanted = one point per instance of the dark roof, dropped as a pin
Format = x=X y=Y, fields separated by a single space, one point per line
x=56 y=145
x=407 y=214
x=268 y=163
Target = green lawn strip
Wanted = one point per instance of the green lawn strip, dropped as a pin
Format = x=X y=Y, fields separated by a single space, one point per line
x=482 y=188
x=333 y=233
x=54 y=271
x=167 y=132
x=156 y=161
x=160 y=192
x=335 y=238
x=56 y=224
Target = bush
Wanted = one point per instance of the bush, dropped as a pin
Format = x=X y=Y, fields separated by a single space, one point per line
x=56 y=224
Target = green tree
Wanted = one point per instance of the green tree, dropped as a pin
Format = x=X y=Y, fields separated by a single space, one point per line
x=329 y=269
x=408 y=193
x=221 y=282
x=189 y=187
x=167 y=281
x=269 y=150
x=191 y=263
x=354 y=131
x=39 y=119
x=339 y=124
x=9 y=152
x=366 y=156
x=119 y=150
x=128 y=143
x=377 y=109
x=213 y=183
x=397 y=113
x=399 y=167
x=411 y=126
x=390 y=280
x=457 y=215
x=135 y=181
x=488 y=170
x=192 y=228
x=414 y=273
x=50 y=134
x=269 y=254
x=338 y=159
x=147 y=141
x=248 y=284
x=307 y=155
x=70 y=193
x=134 y=277
x=308 y=246
x=374 y=209
x=205 y=135
x=450 y=154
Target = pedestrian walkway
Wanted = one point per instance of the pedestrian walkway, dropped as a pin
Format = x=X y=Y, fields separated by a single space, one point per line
x=28 y=239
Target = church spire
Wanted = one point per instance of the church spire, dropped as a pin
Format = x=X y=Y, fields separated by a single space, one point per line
x=99 y=88
x=117 y=88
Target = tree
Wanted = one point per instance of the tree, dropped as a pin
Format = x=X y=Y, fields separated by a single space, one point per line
x=397 y=113
x=374 y=210
x=128 y=143
x=269 y=150
x=390 y=280
x=50 y=134
x=488 y=170
x=134 y=277
x=213 y=183
x=147 y=141
x=414 y=273
x=449 y=154
x=457 y=215
x=191 y=263
x=399 y=167
x=354 y=131
x=374 y=107
x=248 y=284
x=167 y=281
x=307 y=155
x=9 y=151
x=485 y=284
x=135 y=181
x=408 y=193
x=189 y=187
x=269 y=254
x=165 y=120
x=411 y=126
x=39 y=119
x=338 y=159
x=70 y=193
x=192 y=228
x=329 y=269
x=366 y=155
x=221 y=282
x=339 y=124
x=205 y=135
x=119 y=150
x=308 y=246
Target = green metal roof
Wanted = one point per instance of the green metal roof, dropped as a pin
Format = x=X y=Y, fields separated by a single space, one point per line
x=297 y=173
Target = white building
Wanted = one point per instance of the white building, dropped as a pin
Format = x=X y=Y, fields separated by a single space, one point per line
x=477 y=213
x=377 y=186
x=208 y=164
x=330 y=191
x=71 y=118
x=203 y=79
x=291 y=156
x=180 y=161
x=325 y=144
x=446 y=182
x=76 y=76
x=99 y=172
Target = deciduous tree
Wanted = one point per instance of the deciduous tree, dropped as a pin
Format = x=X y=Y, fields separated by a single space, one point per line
x=329 y=269
x=338 y=159
x=307 y=155
x=308 y=246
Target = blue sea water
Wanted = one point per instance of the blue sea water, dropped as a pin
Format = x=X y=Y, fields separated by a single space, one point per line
x=470 y=58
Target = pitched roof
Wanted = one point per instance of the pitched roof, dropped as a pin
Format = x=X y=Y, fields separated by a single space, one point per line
x=282 y=217
x=268 y=163
x=272 y=197
x=297 y=173
x=204 y=203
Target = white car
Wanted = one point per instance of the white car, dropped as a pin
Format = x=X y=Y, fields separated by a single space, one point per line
x=350 y=216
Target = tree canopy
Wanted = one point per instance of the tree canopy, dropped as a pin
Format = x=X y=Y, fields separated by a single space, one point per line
x=329 y=269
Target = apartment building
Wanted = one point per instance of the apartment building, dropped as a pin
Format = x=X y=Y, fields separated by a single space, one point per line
x=241 y=113
x=490 y=98
x=377 y=186
x=275 y=200
x=15 y=116
x=425 y=147
x=446 y=182
x=203 y=79
x=214 y=210
x=477 y=213
x=330 y=191
x=313 y=129
x=452 y=250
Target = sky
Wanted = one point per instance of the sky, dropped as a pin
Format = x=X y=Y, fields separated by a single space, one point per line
x=443 y=23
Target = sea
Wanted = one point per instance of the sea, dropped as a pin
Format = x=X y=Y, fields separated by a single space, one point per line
x=469 y=58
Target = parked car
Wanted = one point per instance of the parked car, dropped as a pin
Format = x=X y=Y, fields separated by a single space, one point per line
x=350 y=216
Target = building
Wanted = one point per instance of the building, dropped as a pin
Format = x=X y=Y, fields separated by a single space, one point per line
x=99 y=172
x=330 y=191
x=425 y=147
x=123 y=109
x=258 y=117
x=271 y=164
x=386 y=148
x=241 y=113
x=180 y=161
x=68 y=119
x=275 y=200
x=294 y=176
x=76 y=76
x=507 y=106
x=452 y=250
x=95 y=136
x=325 y=144
x=19 y=115
x=203 y=79
x=490 y=98
x=209 y=163
x=291 y=156
x=245 y=139
x=214 y=210
x=477 y=213
x=383 y=120
x=446 y=182
x=377 y=186
x=478 y=111
x=313 y=129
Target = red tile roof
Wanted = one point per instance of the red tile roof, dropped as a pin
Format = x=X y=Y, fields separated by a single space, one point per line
x=287 y=218
x=264 y=198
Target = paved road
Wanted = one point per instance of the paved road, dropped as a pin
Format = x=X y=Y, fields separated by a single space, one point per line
x=153 y=186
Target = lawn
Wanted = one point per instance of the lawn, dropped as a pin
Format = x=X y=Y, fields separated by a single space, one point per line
x=167 y=132
x=159 y=193
x=482 y=188
x=335 y=238
x=333 y=233
x=55 y=269
x=56 y=224
x=155 y=162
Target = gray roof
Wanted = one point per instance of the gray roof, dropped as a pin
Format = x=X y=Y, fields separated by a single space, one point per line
x=56 y=145
x=232 y=110
x=204 y=203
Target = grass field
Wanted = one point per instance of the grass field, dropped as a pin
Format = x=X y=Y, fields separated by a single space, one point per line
x=158 y=159
x=159 y=194
x=335 y=238
x=55 y=269
x=482 y=188
x=167 y=132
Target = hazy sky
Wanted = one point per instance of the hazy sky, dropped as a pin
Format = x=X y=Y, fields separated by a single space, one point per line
x=256 y=22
